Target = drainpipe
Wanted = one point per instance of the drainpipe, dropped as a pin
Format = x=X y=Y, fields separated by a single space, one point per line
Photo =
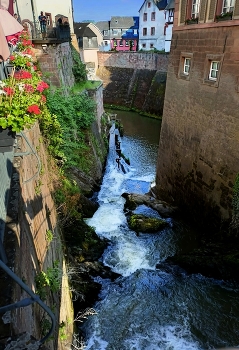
x=34 y=18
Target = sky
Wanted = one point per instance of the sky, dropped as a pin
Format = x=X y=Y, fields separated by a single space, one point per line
x=102 y=10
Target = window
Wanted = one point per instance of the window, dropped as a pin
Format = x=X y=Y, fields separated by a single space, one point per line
x=153 y=16
x=195 y=8
x=214 y=68
x=144 y=46
x=186 y=65
x=145 y=17
x=144 y=31
x=152 y=30
x=135 y=31
x=170 y=15
x=126 y=43
x=121 y=42
x=149 y=4
x=151 y=46
x=106 y=43
x=228 y=6
x=114 y=31
x=48 y=19
x=105 y=32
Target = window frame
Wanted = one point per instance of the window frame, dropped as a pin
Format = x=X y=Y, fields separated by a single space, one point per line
x=149 y=4
x=211 y=81
x=152 y=30
x=144 y=46
x=145 y=17
x=153 y=15
x=181 y=71
x=188 y=65
x=145 y=31
x=195 y=8
x=228 y=8
x=215 y=70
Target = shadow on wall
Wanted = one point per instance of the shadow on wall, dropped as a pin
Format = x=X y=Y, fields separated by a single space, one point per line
x=26 y=250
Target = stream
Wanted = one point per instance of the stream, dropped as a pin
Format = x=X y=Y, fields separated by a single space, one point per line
x=149 y=308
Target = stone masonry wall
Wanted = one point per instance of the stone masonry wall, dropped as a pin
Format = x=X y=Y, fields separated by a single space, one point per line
x=198 y=155
x=55 y=61
x=135 y=60
x=31 y=214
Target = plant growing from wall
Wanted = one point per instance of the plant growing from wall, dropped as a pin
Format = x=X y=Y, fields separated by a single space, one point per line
x=78 y=69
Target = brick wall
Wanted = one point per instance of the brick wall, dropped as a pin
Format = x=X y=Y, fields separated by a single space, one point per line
x=56 y=62
x=135 y=60
x=198 y=153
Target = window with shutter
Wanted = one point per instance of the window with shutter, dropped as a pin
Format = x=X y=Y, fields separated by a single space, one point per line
x=212 y=9
x=202 y=11
x=236 y=8
x=183 y=11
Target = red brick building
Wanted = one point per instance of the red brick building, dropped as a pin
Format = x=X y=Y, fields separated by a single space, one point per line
x=198 y=156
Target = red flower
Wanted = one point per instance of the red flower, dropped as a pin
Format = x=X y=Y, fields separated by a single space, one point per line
x=28 y=64
x=42 y=86
x=35 y=67
x=9 y=91
x=29 y=88
x=22 y=74
x=43 y=99
x=11 y=58
x=34 y=109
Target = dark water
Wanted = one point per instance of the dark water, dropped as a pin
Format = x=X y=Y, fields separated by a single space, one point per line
x=148 y=308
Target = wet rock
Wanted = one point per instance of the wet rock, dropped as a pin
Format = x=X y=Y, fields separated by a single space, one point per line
x=87 y=207
x=86 y=183
x=133 y=200
x=142 y=223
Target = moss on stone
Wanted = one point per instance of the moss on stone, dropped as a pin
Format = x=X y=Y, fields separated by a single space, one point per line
x=141 y=223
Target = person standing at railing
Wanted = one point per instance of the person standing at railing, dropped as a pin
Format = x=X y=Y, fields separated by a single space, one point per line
x=43 y=21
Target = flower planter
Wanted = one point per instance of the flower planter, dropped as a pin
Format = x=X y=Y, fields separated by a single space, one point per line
x=7 y=139
x=224 y=18
x=191 y=22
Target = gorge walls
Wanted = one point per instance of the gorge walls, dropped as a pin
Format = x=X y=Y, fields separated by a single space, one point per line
x=134 y=80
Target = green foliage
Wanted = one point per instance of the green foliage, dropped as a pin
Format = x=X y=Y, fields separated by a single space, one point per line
x=49 y=236
x=49 y=280
x=62 y=331
x=235 y=198
x=78 y=69
x=85 y=85
x=75 y=114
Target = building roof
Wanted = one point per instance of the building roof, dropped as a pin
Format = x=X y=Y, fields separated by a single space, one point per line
x=171 y=5
x=118 y=22
x=81 y=30
x=103 y=25
x=161 y=4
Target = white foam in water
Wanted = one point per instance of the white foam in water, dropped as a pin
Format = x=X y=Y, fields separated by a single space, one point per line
x=107 y=219
x=95 y=343
x=163 y=338
x=127 y=257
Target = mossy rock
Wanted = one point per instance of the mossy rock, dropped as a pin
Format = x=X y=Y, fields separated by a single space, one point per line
x=141 y=223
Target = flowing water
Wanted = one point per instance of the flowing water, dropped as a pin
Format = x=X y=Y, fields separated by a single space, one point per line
x=149 y=308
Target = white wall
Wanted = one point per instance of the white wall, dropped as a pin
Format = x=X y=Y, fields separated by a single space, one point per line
x=54 y=7
x=168 y=37
x=158 y=40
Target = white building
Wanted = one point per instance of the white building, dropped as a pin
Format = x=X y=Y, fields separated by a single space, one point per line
x=169 y=16
x=152 y=25
x=30 y=10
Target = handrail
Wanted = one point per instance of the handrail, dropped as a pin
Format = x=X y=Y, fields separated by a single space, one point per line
x=27 y=301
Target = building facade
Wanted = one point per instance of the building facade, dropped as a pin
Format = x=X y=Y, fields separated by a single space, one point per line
x=120 y=33
x=152 y=25
x=198 y=157
x=29 y=11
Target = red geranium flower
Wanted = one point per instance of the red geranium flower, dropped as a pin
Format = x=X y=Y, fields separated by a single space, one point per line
x=42 y=86
x=28 y=64
x=29 y=88
x=34 y=109
x=22 y=74
x=9 y=91
x=43 y=99
x=11 y=58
